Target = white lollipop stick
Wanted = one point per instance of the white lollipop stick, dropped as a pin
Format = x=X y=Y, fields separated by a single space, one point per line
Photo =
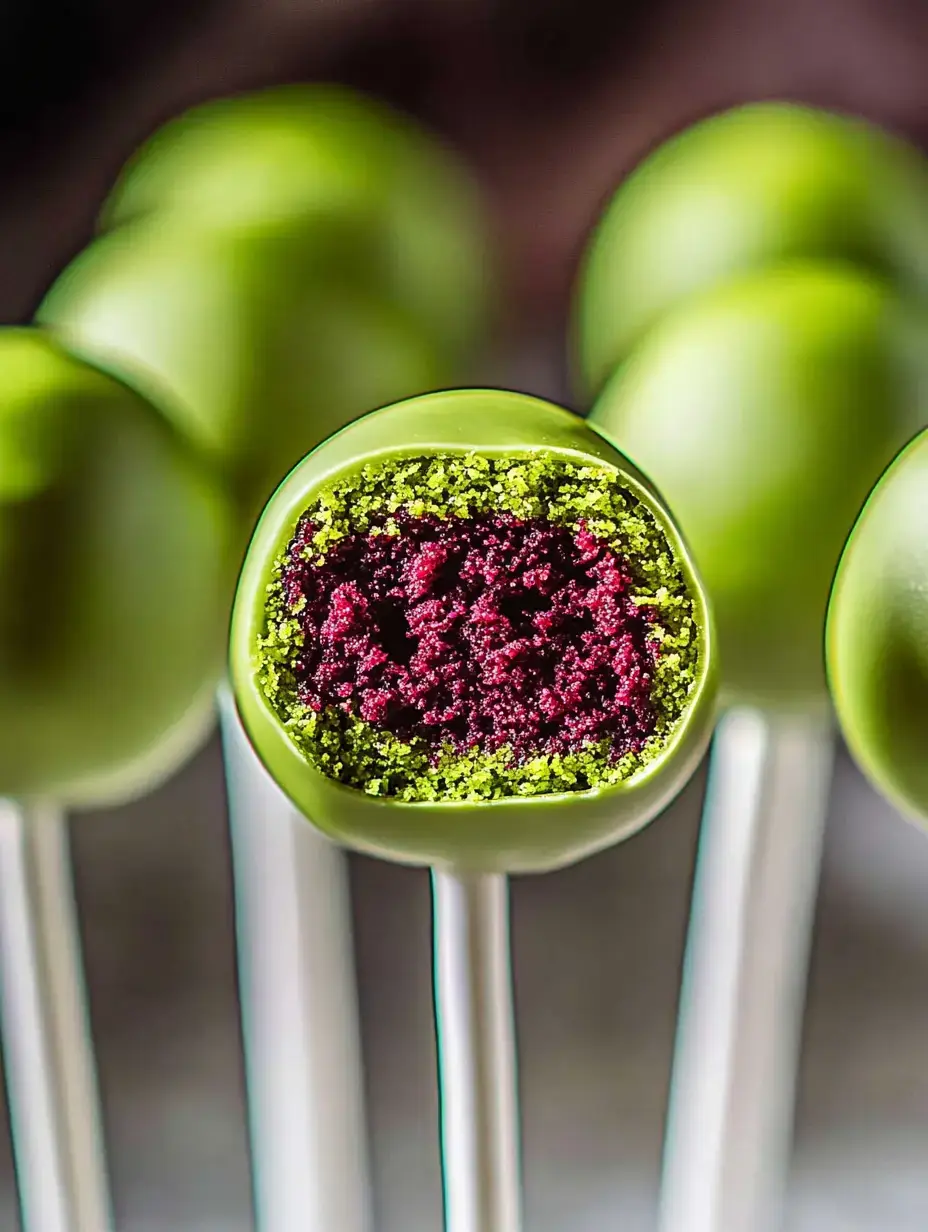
x=739 y=1035
x=47 y=1043
x=477 y=1054
x=299 y=1006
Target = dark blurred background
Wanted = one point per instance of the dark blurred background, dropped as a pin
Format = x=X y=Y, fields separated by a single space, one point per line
x=551 y=102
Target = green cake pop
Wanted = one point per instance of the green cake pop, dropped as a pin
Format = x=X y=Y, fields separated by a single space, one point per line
x=743 y=190
x=877 y=637
x=749 y=316
x=766 y=409
x=293 y=159
x=115 y=572
x=254 y=355
x=468 y=634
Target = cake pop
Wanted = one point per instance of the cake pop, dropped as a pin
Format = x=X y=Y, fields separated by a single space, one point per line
x=270 y=266
x=877 y=648
x=468 y=634
x=254 y=355
x=740 y=191
x=115 y=572
x=291 y=160
x=766 y=409
x=116 y=566
x=748 y=320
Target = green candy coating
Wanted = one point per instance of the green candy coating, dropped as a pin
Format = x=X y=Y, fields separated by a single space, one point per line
x=749 y=188
x=877 y=635
x=255 y=355
x=115 y=572
x=293 y=159
x=513 y=833
x=766 y=409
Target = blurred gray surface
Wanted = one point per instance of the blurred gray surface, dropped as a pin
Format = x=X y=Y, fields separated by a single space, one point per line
x=597 y=952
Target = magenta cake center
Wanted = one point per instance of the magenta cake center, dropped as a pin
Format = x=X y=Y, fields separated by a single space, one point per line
x=484 y=632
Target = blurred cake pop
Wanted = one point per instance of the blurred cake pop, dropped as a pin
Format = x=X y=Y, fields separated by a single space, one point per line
x=115 y=572
x=765 y=409
x=743 y=190
x=877 y=643
x=293 y=159
x=253 y=354
x=747 y=321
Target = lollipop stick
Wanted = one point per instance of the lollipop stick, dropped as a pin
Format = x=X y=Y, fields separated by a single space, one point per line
x=47 y=1043
x=299 y=1006
x=739 y=1035
x=477 y=1055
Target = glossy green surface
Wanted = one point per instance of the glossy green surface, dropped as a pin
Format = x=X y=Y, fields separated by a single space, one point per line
x=878 y=634
x=766 y=409
x=519 y=835
x=256 y=354
x=292 y=159
x=115 y=573
x=742 y=190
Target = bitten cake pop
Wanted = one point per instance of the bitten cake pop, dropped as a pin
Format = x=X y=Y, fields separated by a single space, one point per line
x=293 y=160
x=115 y=571
x=877 y=643
x=740 y=191
x=467 y=633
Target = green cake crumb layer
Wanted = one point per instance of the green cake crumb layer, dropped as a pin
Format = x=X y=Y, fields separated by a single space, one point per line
x=358 y=754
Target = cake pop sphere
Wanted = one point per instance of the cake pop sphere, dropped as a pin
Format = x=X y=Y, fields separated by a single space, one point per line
x=752 y=187
x=290 y=159
x=766 y=409
x=115 y=574
x=255 y=353
x=468 y=633
x=877 y=641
